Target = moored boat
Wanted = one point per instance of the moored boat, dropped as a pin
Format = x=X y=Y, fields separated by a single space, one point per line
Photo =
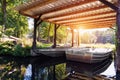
x=88 y=55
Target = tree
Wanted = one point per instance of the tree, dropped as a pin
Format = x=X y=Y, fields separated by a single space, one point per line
x=9 y=18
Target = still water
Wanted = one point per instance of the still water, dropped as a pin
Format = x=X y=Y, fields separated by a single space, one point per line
x=44 y=68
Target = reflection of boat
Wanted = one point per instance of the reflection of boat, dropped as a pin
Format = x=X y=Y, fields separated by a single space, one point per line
x=44 y=62
x=88 y=55
x=83 y=70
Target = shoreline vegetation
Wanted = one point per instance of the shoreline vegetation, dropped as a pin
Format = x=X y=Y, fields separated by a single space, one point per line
x=19 y=49
x=22 y=49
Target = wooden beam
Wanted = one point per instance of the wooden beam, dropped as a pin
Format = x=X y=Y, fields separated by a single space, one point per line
x=75 y=16
x=92 y=26
x=109 y=4
x=58 y=26
x=87 y=18
x=39 y=22
x=94 y=20
x=63 y=15
x=69 y=13
x=66 y=6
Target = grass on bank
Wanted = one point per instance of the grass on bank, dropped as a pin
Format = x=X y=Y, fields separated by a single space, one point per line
x=19 y=49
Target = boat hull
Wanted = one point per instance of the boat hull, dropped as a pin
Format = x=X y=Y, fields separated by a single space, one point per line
x=86 y=56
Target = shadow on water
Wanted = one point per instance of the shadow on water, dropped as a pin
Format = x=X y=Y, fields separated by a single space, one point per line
x=45 y=68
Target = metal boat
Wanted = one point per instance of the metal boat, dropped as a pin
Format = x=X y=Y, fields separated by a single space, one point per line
x=88 y=55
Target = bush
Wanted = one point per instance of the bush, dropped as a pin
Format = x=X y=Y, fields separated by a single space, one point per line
x=21 y=51
x=8 y=48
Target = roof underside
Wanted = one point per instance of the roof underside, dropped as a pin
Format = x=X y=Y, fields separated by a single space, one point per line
x=84 y=13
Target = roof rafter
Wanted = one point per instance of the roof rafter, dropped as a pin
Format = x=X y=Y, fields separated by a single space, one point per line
x=84 y=14
x=96 y=20
x=87 y=18
x=71 y=12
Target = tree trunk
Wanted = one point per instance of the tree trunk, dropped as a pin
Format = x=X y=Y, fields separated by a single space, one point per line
x=4 y=3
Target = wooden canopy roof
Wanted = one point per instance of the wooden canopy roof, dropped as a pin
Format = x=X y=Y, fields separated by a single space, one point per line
x=81 y=13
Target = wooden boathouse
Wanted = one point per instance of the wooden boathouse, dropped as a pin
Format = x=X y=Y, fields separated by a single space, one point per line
x=73 y=13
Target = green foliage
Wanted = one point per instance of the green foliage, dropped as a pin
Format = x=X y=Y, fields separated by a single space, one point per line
x=9 y=31
x=45 y=32
x=60 y=71
x=44 y=29
x=43 y=45
x=8 y=48
x=61 y=35
x=16 y=24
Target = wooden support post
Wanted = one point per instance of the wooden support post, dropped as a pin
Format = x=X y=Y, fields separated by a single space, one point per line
x=36 y=23
x=118 y=36
x=72 y=37
x=34 y=34
x=78 y=39
x=117 y=9
x=55 y=36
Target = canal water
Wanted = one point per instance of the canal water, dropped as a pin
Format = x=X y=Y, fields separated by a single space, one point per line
x=45 y=68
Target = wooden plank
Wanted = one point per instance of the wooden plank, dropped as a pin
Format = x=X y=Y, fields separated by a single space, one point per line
x=95 y=20
x=66 y=5
x=70 y=11
x=90 y=22
x=84 y=14
x=95 y=23
x=73 y=11
x=87 y=18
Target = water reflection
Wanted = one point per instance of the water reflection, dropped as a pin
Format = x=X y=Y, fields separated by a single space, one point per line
x=43 y=68
x=28 y=72
x=79 y=70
